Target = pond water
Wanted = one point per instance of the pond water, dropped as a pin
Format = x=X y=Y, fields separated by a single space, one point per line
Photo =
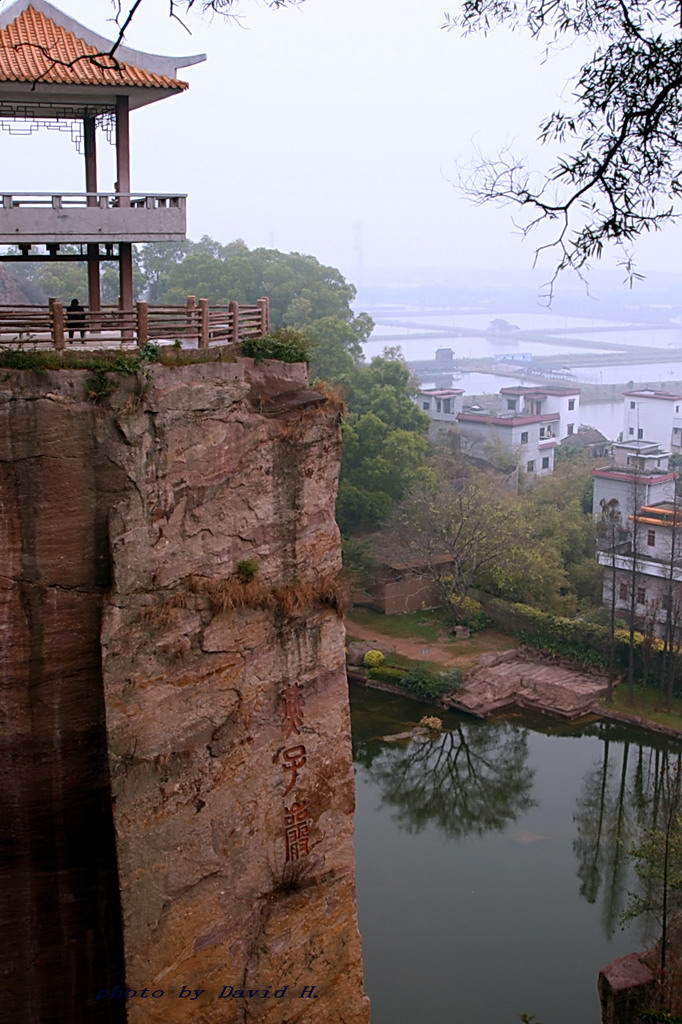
x=490 y=862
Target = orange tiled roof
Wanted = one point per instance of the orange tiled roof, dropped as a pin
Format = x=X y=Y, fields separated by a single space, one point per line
x=34 y=48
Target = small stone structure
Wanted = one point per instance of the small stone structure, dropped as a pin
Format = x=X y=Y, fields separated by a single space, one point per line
x=523 y=679
x=632 y=984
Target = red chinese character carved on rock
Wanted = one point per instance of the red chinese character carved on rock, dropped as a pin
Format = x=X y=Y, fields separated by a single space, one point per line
x=294 y=760
x=296 y=830
x=291 y=710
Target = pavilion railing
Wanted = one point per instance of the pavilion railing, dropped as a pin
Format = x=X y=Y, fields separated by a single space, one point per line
x=196 y=324
x=103 y=200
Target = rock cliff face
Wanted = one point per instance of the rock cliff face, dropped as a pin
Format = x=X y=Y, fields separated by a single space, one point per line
x=172 y=602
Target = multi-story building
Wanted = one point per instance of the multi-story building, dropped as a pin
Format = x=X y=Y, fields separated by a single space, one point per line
x=637 y=475
x=442 y=406
x=541 y=400
x=656 y=415
x=529 y=421
x=531 y=438
x=646 y=565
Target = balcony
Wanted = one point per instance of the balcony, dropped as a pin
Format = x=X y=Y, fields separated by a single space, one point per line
x=36 y=218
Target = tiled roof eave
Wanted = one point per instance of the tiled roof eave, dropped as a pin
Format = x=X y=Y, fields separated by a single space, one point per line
x=36 y=49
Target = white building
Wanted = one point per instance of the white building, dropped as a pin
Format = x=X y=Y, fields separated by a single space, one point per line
x=541 y=401
x=655 y=573
x=531 y=439
x=441 y=405
x=656 y=415
x=637 y=475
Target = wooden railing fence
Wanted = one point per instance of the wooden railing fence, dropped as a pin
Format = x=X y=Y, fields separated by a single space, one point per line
x=196 y=324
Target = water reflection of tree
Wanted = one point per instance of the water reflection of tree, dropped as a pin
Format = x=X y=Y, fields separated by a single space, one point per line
x=465 y=781
x=620 y=793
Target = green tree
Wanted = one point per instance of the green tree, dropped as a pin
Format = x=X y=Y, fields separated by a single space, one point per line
x=301 y=290
x=611 y=532
x=65 y=281
x=559 y=512
x=384 y=449
x=336 y=347
x=154 y=260
x=461 y=534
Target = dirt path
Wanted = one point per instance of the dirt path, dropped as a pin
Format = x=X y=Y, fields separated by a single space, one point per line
x=450 y=653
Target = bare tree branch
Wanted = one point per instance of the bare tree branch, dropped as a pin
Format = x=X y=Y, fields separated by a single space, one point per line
x=623 y=177
x=106 y=59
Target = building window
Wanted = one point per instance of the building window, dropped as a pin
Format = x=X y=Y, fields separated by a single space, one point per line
x=651 y=538
x=623 y=592
x=641 y=595
x=511 y=403
x=446 y=405
x=632 y=405
x=426 y=406
x=524 y=437
x=571 y=404
x=569 y=428
x=640 y=434
x=631 y=431
x=530 y=466
x=545 y=462
x=438 y=405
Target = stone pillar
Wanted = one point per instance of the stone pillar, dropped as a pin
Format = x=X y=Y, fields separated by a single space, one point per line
x=227 y=708
x=129 y=630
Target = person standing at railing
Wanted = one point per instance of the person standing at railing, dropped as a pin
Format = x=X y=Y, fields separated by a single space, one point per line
x=75 y=320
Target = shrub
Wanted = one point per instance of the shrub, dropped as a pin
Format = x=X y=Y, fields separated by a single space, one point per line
x=451 y=680
x=373 y=659
x=20 y=359
x=100 y=383
x=423 y=683
x=247 y=570
x=287 y=344
x=469 y=612
x=386 y=674
x=419 y=680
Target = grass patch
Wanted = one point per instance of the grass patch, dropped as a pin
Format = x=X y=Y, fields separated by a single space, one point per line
x=647 y=705
x=287 y=344
x=402 y=661
x=167 y=355
x=286 y=599
x=488 y=641
x=430 y=626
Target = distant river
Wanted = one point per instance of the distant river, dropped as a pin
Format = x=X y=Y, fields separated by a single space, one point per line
x=490 y=874
x=406 y=331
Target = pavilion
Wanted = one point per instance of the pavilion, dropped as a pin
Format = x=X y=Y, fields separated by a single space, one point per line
x=56 y=73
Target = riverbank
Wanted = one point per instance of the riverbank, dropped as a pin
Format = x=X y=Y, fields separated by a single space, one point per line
x=500 y=677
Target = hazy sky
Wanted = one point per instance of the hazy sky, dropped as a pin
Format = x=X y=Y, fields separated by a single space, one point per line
x=332 y=128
